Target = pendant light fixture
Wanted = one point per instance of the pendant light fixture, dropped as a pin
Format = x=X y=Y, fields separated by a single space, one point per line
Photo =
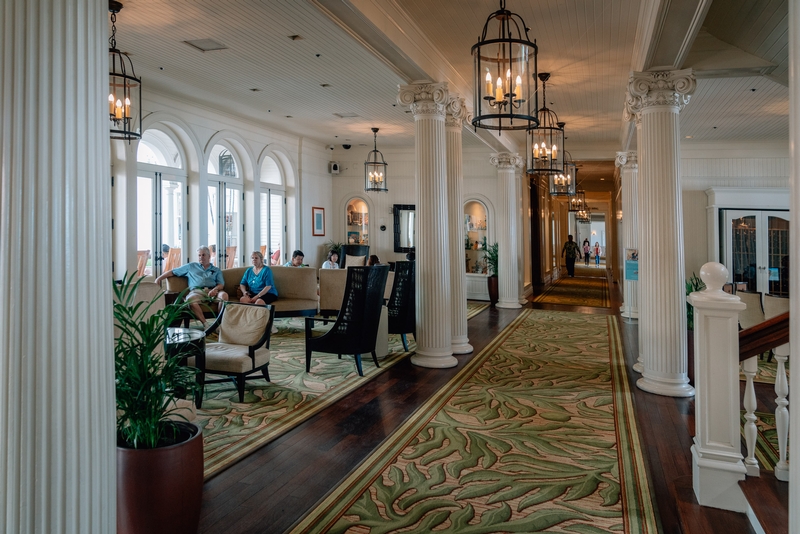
x=505 y=84
x=375 y=169
x=564 y=183
x=125 y=89
x=546 y=139
x=578 y=202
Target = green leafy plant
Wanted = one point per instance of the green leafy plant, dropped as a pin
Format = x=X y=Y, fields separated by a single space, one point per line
x=490 y=254
x=334 y=246
x=694 y=283
x=148 y=382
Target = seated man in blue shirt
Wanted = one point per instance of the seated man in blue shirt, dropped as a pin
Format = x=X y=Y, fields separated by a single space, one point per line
x=297 y=259
x=205 y=282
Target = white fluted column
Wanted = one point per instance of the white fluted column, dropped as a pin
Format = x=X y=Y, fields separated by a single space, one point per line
x=507 y=229
x=794 y=255
x=57 y=450
x=629 y=172
x=657 y=98
x=456 y=113
x=434 y=339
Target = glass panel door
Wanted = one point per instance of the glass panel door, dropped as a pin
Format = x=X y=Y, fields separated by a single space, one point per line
x=172 y=207
x=144 y=224
x=778 y=254
x=272 y=227
x=757 y=250
x=213 y=219
x=233 y=228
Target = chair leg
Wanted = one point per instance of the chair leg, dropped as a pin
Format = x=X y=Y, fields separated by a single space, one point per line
x=265 y=373
x=375 y=358
x=340 y=356
x=198 y=396
x=405 y=342
x=240 y=386
x=308 y=360
x=358 y=365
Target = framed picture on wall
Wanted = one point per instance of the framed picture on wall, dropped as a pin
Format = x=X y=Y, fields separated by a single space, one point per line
x=318 y=217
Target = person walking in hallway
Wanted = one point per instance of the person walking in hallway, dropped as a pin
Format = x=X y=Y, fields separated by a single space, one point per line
x=596 y=254
x=572 y=252
x=586 y=250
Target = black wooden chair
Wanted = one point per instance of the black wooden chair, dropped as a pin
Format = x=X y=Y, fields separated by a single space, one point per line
x=356 y=328
x=402 y=305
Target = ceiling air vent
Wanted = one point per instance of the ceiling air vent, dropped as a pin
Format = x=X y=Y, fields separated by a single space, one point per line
x=206 y=45
x=347 y=115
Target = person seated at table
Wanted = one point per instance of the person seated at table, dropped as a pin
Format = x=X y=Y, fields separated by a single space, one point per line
x=297 y=259
x=257 y=285
x=332 y=262
x=205 y=282
x=373 y=260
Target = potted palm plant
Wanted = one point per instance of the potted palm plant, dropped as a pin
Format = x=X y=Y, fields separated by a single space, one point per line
x=159 y=456
x=490 y=254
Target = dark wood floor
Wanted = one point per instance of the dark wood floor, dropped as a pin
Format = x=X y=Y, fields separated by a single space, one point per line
x=270 y=490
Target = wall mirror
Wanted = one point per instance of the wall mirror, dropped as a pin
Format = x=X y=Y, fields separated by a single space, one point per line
x=405 y=222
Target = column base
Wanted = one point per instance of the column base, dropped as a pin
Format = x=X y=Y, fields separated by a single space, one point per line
x=510 y=304
x=460 y=345
x=716 y=482
x=628 y=313
x=669 y=388
x=638 y=367
x=432 y=361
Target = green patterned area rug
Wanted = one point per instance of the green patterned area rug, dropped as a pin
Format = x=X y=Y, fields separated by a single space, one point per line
x=537 y=432
x=578 y=291
x=591 y=271
x=766 y=452
x=474 y=308
x=766 y=371
x=232 y=430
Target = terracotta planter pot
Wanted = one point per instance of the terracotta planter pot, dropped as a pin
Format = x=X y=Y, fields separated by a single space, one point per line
x=159 y=490
x=494 y=292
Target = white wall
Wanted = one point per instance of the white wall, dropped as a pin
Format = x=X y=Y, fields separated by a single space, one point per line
x=739 y=165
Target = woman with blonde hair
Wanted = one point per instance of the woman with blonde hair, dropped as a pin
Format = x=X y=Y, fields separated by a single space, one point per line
x=257 y=285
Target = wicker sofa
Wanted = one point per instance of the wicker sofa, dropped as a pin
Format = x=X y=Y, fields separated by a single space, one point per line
x=297 y=289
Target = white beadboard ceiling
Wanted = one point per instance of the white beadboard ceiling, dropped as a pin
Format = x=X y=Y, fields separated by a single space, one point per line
x=587 y=45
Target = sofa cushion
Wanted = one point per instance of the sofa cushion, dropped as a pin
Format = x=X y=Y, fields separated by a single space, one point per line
x=355 y=261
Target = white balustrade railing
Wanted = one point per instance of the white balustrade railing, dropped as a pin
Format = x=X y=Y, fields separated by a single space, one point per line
x=718 y=465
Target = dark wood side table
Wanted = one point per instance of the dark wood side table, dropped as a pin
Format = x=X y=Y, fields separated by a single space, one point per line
x=189 y=342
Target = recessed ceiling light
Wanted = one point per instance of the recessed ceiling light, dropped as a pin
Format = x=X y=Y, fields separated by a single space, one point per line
x=363 y=144
x=206 y=45
x=296 y=37
x=289 y=117
x=255 y=89
x=346 y=115
x=689 y=137
x=324 y=85
x=602 y=179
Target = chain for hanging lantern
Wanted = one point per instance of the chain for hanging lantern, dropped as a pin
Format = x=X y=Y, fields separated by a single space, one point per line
x=505 y=85
x=125 y=89
x=375 y=168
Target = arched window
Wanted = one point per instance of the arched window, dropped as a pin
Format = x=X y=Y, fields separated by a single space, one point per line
x=157 y=148
x=272 y=211
x=222 y=163
x=160 y=204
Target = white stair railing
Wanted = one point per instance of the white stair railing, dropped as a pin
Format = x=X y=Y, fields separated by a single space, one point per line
x=717 y=465
x=749 y=368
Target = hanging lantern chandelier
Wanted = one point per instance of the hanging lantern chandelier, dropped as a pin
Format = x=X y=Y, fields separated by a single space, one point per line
x=578 y=202
x=505 y=85
x=546 y=139
x=375 y=169
x=564 y=183
x=125 y=89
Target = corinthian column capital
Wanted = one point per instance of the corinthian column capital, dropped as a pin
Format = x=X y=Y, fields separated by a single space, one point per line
x=627 y=160
x=456 y=112
x=506 y=160
x=424 y=98
x=661 y=88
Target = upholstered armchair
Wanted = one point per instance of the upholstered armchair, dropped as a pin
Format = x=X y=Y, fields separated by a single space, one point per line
x=356 y=328
x=402 y=304
x=243 y=344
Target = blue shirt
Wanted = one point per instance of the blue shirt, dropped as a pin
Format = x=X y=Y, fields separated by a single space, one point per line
x=199 y=277
x=257 y=282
